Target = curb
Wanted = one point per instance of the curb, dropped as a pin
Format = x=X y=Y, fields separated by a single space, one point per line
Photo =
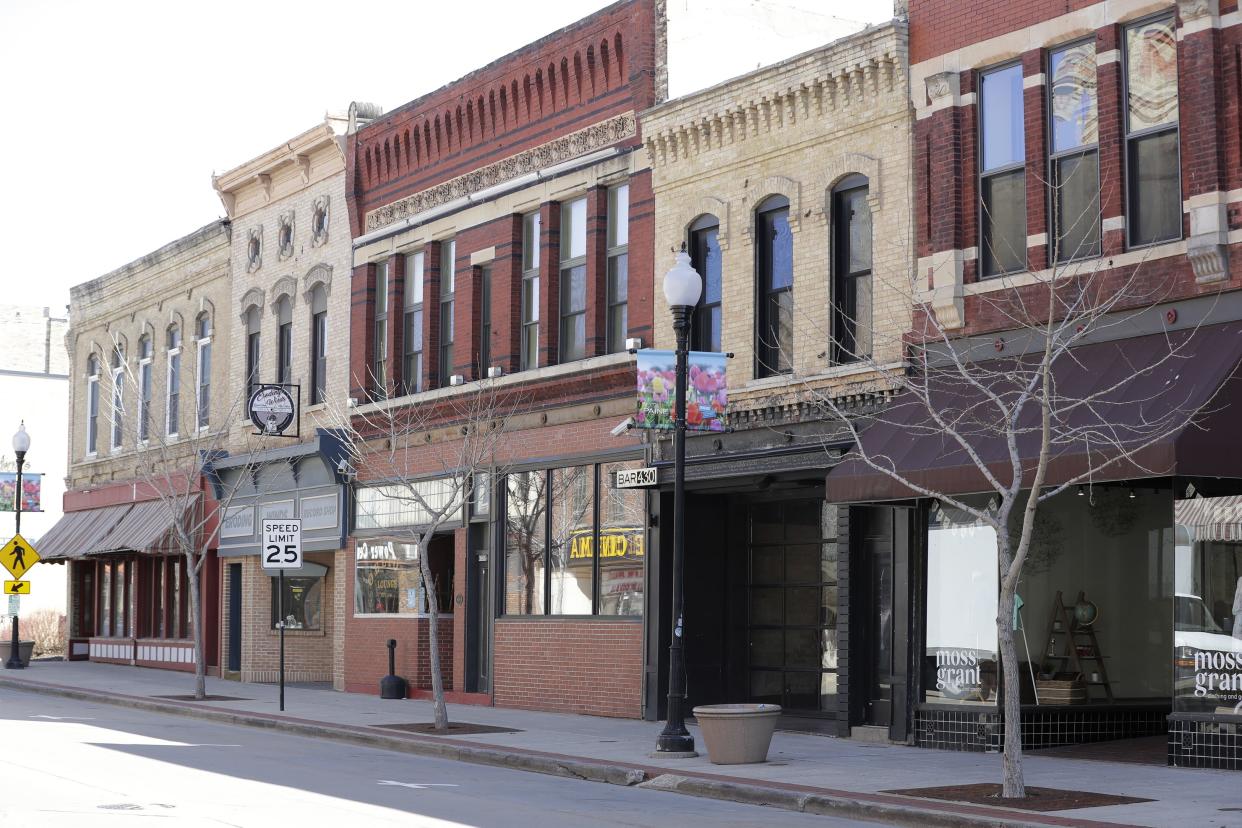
x=876 y=808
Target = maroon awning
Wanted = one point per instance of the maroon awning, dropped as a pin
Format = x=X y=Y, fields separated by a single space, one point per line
x=1163 y=392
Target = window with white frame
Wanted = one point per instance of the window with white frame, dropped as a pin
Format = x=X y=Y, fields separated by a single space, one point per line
x=573 y=280
x=319 y=344
x=144 y=388
x=173 y=408
x=1074 y=159
x=92 y=404
x=253 y=346
x=1002 y=180
x=1153 y=164
x=203 y=333
x=618 y=267
x=379 y=365
x=412 y=324
x=284 y=340
x=118 y=398
x=529 y=355
x=448 y=284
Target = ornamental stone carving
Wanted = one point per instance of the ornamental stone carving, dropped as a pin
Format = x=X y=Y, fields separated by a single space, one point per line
x=568 y=147
x=284 y=235
x=254 y=249
x=1194 y=9
x=319 y=221
x=942 y=88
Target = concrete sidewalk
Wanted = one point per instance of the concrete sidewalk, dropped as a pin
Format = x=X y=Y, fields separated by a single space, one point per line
x=804 y=772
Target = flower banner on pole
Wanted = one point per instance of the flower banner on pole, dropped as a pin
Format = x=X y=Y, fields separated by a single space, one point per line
x=32 y=489
x=707 y=391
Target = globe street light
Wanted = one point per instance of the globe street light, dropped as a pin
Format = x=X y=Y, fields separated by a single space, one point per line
x=682 y=287
x=21 y=444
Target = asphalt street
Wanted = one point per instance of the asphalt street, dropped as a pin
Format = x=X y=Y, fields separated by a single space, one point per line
x=70 y=763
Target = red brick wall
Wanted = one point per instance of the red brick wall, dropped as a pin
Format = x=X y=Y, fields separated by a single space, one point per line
x=598 y=67
x=569 y=665
x=940 y=26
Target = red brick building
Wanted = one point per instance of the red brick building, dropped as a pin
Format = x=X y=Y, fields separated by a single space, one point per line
x=1086 y=141
x=503 y=234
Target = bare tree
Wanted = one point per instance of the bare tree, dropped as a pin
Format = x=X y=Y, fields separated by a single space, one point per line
x=427 y=459
x=1007 y=418
x=173 y=456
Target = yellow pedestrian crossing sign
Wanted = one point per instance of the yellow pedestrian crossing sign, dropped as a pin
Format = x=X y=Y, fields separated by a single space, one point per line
x=17 y=587
x=17 y=556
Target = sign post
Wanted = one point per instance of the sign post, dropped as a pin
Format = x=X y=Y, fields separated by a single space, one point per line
x=282 y=549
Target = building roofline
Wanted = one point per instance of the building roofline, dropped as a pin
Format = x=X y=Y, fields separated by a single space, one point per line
x=320 y=135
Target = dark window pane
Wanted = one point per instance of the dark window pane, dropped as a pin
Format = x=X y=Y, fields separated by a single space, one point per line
x=1004 y=223
x=765 y=606
x=1077 y=204
x=1003 y=136
x=781 y=240
x=1155 y=189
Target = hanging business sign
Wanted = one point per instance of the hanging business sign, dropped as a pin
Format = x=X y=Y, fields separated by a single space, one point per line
x=272 y=409
x=707 y=391
x=32 y=490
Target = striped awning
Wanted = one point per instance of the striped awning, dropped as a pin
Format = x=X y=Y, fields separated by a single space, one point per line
x=80 y=533
x=145 y=528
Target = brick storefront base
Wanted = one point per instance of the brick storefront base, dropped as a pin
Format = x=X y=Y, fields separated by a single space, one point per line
x=366 y=652
x=569 y=665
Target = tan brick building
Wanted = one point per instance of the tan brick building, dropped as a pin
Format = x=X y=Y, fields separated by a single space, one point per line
x=289 y=303
x=142 y=375
x=790 y=188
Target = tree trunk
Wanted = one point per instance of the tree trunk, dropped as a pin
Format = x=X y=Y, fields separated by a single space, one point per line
x=433 y=639
x=200 y=668
x=1013 y=783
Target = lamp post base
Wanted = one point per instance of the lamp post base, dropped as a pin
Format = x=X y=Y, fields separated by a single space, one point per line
x=675 y=746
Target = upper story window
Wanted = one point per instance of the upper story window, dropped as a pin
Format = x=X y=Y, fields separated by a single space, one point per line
x=144 y=388
x=118 y=398
x=203 y=333
x=851 y=270
x=448 y=284
x=253 y=345
x=705 y=258
x=319 y=344
x=284 y=340
x=1002 y=180
x=573 y=280
x=618 y=267
x=92 y=404
x=530 y=291
x=412 y=324
x=172 y=409
x=485 y=319
x=1074 y=163
x=1153 y=175
x=774 y=272
x=379 y=368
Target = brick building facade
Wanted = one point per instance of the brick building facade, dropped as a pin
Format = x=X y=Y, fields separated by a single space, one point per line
x=503 y=230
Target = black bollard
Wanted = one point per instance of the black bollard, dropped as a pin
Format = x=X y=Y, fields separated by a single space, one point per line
x=392 y=686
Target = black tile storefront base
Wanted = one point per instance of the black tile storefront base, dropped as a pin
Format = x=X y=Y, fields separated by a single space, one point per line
x=984 y=730
x=1205 y=742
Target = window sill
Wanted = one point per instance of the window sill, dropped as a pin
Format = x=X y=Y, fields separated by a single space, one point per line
x=405 y=616
x=298 y=633
x=319 y=406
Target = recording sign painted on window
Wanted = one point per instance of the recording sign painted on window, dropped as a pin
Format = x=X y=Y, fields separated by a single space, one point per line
x=282 y=544
x=271 y=409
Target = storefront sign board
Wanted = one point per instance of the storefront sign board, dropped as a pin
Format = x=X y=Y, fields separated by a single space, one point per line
x=636 y=478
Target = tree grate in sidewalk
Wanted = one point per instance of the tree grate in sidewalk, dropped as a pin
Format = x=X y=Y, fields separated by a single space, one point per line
x=190 y=697
x=1037 y=799
x=454 y=728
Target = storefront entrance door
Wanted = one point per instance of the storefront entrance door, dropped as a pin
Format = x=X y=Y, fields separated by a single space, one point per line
x=235 y=617
x=792 y=607
x=877 y=581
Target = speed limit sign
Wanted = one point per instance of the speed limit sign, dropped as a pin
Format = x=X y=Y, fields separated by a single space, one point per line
x=282 y=544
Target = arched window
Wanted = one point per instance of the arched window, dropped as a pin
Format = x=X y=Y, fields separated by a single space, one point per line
x=144 y=388
x=319 y=343
x=202 y=331
x=774 y=294
x=284 y=340
x=252 y=350
x=173 y=408
x=118 y=397
x=851 y=271
x=92 y=404
x=705 y=257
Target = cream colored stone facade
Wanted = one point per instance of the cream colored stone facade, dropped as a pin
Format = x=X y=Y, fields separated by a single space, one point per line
x=794 y=129
x=287 y=185
x=174 y=285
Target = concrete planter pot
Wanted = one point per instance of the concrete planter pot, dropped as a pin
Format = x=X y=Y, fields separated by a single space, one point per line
x=25 y=649
x=737 y=734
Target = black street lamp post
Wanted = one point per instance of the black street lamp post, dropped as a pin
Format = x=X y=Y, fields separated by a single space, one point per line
x=21 y=444
x=682 y=287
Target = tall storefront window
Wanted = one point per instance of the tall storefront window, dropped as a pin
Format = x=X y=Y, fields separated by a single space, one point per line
x=961 y=659
x=302 y=603
x=1207 y=610
x=574 y=538
x=388 y=579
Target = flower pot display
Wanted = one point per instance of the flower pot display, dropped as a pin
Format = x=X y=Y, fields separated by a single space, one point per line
x=25 y=649
x=737 y=734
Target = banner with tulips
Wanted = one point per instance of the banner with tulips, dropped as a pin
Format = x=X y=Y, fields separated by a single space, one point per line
x=32 y=489
x=707 y=391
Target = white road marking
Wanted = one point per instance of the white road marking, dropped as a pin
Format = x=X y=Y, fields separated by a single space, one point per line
x=64 y=718
x=417 y=785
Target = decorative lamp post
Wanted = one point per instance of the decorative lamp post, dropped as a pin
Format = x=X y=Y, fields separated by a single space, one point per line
x=21 y=444
x=682 y=287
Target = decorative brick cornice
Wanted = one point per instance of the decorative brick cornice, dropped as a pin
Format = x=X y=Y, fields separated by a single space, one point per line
x=566 y=148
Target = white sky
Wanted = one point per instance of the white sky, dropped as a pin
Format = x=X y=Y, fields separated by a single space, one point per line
x=117 y=113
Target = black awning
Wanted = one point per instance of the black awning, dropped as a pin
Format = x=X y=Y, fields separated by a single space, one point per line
x=1161 y=395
